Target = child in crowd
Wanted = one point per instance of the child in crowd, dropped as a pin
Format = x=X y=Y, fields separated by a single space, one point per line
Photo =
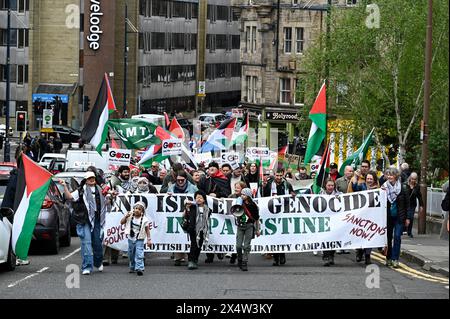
x=137 y=230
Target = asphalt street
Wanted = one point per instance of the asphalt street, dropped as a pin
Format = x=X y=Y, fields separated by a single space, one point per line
x=303 y=276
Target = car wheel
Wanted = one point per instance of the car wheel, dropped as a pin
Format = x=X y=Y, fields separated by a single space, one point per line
x=11 y=262
x=53 y=247
x=65 y=241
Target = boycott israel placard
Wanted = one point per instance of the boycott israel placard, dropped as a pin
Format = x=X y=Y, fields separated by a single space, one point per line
x=118 y=157
x=171 y=147
x=288 y=224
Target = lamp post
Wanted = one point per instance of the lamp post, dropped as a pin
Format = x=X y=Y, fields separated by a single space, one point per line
x=7 y=157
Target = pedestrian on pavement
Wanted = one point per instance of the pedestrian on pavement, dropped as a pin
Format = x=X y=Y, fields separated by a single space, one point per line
x=414 y=196
x=57 y=144
x=137 y=229
x=397 y=208
x=89 y=206
x=445 y=207
x=330 y=189
x=247 y=228
x=198 y=230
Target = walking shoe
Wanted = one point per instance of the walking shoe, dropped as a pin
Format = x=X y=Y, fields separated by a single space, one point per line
x=177 y=262
x=21 y=262
x=346 y=252
x=389 y=263
x=244 y=266
x=275 y=263
x=331 y=260
x=228 y=255
x=339 y=252
x=395 y=264
x=191 y=265
x=100 y=269
x=140 y=273
x=239 y=263
x=105 y=263
x=220 y=256
x=233 y=259
x=282 y=259
x=367 y=260
x=315 y=252
x=86 y=272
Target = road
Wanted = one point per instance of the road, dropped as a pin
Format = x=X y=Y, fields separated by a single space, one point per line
x=302 y=277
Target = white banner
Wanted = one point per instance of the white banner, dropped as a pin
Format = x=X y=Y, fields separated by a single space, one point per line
x=119 y=157
x=288 y=224
x=171 y=147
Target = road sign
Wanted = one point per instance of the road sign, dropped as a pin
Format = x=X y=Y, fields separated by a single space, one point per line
x=47 y=119
x=201 y=88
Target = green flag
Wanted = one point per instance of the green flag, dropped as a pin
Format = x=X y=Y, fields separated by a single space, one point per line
x=357 y=157
x=135 y=134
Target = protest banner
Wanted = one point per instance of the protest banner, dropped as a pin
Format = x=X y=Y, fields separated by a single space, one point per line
x=288 y=224
x=118 y=157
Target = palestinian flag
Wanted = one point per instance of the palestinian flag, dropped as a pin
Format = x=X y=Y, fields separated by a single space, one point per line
x=32 y=185
x=221 y=137
x=95 y=131
x=322 y=173
x=240 y=136
x=359 y=155
x=176 y=129
x=154 y=152
x=318 y=116
x=167 y=120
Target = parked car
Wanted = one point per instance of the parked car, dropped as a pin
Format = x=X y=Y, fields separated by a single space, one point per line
x=53 y=223
x=3 y=130
x=57 y=165
x=47 y=158
x=7 y=256
x=5 y=169
x=206 y=119
x=66 y=133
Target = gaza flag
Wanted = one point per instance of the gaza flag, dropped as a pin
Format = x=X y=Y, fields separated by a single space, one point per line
x=240 y=136
x=32 y=185
x=95 y=131
x=318 y=116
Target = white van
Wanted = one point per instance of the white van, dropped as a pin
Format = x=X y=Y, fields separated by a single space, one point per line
x=79 y=160
x=151 y=118
x=47 y=158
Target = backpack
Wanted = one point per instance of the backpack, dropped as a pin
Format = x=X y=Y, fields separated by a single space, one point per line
x=185 y=224
x=80 y=212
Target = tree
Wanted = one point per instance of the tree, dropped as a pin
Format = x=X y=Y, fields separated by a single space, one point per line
x=377 y=74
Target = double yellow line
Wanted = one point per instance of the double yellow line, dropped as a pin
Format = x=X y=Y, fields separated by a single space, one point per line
x=404 y=269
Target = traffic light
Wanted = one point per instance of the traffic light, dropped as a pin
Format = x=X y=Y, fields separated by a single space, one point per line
x=86 y=103
x=21 y=121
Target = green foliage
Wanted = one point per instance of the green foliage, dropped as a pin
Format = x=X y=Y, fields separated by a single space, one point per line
x=367 y=66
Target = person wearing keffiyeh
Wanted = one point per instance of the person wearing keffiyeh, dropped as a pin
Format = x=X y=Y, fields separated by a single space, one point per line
x=397 y=207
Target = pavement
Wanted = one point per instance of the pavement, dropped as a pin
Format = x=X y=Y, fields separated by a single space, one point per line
x=428 y=251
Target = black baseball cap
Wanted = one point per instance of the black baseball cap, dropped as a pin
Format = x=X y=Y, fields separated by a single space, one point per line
x=333 y=165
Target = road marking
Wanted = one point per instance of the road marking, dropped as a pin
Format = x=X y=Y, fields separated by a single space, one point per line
x=28 y=277
x=412 y=272
x=71 y=254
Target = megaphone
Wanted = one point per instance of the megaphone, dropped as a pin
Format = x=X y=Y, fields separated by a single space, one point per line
x=237 y=209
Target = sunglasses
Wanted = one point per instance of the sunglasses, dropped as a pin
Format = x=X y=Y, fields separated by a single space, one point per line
x=181 y=180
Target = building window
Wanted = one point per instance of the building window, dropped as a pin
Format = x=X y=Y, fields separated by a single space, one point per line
x=287 y=40
x=299 y=97
x=147 y=42
x=285 y=91
x=222 y=13
x=158 y=40
x=188 y=11
x=147 y=78
x=211 y=72
x=145 y=8
x=229 y=42
x=295 y=2
x=252 y=84
x=247 y=39
x=13 y=35
x=230 y=14
x=212 y=13
x=22 y=40
x=254 y=88
x=211 y=42
x=248 y=83
x=22 y=74
x=221 y=41
x=352 y=2
x=299 y=40
x=179 y=9
x=168 y=42
x=22 y=5
x=235 y=42
x=253 y=39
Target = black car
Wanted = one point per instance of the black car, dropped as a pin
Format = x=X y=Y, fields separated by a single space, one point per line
x=66 y=133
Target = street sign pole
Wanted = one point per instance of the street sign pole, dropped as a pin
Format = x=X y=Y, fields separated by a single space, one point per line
x=7 y=157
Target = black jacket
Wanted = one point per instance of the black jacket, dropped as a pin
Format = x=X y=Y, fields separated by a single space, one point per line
x=219 y=186
x=402 y=204
x=193 y=218
x=254 y=211
x=10 y=193
x=414 y=195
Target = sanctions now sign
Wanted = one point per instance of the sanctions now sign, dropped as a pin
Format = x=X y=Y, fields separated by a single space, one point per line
x=119 y=157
